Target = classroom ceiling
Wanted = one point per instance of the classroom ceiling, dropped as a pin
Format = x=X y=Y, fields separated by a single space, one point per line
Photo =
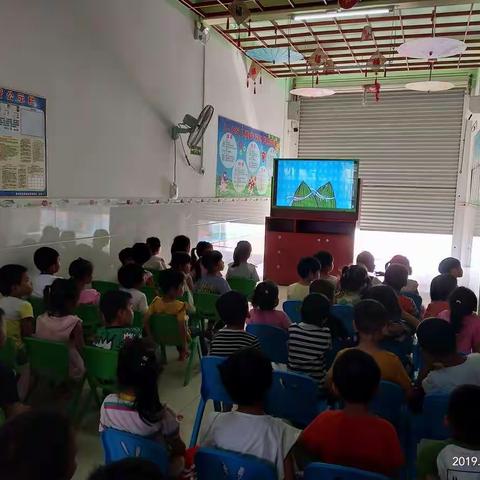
x=272 y=25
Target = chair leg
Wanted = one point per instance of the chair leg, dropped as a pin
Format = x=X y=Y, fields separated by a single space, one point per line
x=194 y=346
x=198 y=423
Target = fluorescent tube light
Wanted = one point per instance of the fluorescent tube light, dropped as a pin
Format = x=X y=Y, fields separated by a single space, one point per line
x=343 y=14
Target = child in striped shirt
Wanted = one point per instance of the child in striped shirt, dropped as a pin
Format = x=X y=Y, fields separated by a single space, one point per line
x=310 y=339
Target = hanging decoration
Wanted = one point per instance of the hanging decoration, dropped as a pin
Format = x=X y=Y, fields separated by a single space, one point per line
x=346 y=4
x=312 y=92
x=316 y=59
x=374 y=89
x=430 y=85
x=239 y=11
x=432 y=48
x=275 y=55
x=376 y=62
x=367 y=33
x=329 y=67
x=254 y=72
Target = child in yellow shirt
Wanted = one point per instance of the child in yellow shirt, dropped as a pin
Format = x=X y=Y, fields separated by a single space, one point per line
x=370 y=321
x=168 y=304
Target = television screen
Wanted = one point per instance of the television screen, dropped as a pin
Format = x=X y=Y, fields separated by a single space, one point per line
x=324 y=185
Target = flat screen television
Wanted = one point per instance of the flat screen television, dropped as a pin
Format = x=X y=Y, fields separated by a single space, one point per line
x=315 y=185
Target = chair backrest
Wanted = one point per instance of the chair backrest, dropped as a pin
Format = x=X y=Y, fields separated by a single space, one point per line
x=91 y=318
x=118 y=445
x=48 y=359
x=138 y=319
x=205 y=303
x=165 y=330
x=434 y=410
x=8 y=353
x=417 y=299
x=243 y=285
x=101 y=364
x=103 y=287
x=292 y=309
x=344 y=314
x=402 y=349
x=150 y=293
x=38 y=306
x=388 y=402
x=326 y=471
x=273 y=341
x=212 y=386
x=212 y=464
x=293 y=397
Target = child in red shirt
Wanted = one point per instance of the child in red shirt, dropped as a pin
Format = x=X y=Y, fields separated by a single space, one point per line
x=353 y=437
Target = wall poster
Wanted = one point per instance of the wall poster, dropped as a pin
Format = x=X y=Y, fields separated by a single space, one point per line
x=244 y=160
x=23 y=164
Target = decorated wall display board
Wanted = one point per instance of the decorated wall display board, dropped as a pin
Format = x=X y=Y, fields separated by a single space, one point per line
x=244 y=160
x=23 y=167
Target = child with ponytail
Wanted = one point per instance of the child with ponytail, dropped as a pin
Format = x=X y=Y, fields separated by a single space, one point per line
x=464 y=319
x=197 y=253
x=240 y=268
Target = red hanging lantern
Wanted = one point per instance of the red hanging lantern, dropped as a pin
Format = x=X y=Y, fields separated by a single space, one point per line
x=253 y=73
x=367 y=33
x=346 y=4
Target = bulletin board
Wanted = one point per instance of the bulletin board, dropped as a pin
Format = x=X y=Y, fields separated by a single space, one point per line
x=244 y=160
x=23 y=159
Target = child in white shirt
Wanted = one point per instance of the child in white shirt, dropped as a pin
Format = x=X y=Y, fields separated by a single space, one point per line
x=47 y=260
x=308 y=270
x=240 y=268
x=247 y=376
x=131 y=278
x=156 y=262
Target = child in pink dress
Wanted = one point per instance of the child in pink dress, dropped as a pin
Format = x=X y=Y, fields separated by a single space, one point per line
x=264 y=301
x=81 y=272
x=59 y=324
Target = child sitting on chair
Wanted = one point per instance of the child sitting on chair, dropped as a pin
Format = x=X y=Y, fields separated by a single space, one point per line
x=130 y=468
x=212 y=282
x=60 y=324
x=169 y=304
x=411 y=285
x=353 y=437
x=326 y=261
x=136 y=408
x=47 y=260
x=311 y=339
x=353 y=282
x=240 y=268
x=232 y=307
x=131 y=280
x=264 y=301
x=15 y=285
x=117 y=310
x=367 y=260
x=126 y=256
x=370 y=321
x=441 y=458
x=247 y=376
x=198 y=270
x=81 y=272
x=451 y=266
x=141 y=254
x=440 y=289
x=445 y=368
x=308 y=270
x=182 y=262
x=155 y=262
x=325 y=288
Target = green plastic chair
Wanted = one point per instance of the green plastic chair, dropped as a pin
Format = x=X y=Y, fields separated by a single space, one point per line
x=138 y=319
x=205 y=303
x=243 y=285
x=165 y=332
x=101 y=367
x=8 y=353
x=91 y=319
x=150 y=293
x=38 y=306
x=104 y=287
x=50 y=361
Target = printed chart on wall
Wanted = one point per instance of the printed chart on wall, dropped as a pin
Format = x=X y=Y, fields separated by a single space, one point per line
x=244 y=160
x=23 y=169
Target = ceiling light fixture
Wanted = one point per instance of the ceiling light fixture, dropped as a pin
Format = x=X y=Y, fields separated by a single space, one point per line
x=343 y=14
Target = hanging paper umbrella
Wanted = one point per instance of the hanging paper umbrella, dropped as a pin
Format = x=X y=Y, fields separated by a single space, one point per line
x=275 y=55
x=239 y=11
x=346 y=4
x=253 y=72
x=376 y=62
x=367 y=33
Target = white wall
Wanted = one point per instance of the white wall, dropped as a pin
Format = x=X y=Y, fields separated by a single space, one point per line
x=117 y=74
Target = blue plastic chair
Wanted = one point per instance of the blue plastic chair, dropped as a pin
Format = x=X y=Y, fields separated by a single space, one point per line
x=212 y=389
x=389 y=403
x=294 y=397
x=344 y=314
x=434 y=410
x=292 y=309
x=212 y=464
x=118 y=445
x=273 y=341
x=326 y=471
